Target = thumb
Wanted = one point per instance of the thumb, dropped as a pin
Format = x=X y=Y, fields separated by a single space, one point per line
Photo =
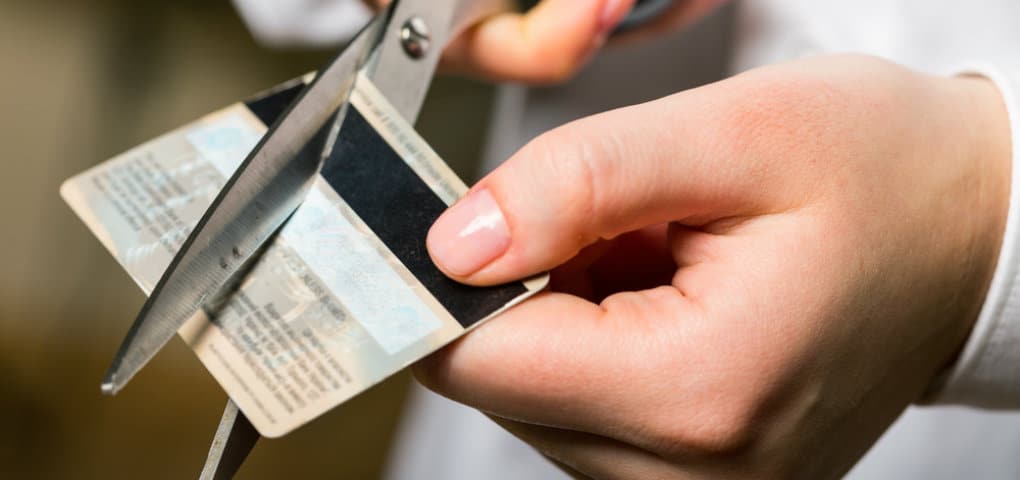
x=595 y=178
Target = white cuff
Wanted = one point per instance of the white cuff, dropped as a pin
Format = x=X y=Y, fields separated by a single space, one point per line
x=987 y=374
x=303 y=23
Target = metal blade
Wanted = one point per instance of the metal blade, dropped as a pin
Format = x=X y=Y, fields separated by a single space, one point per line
x=255 y=202
x=234 y=440
x=404 y=80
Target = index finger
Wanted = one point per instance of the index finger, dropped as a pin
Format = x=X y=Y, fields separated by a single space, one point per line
x=560 y=361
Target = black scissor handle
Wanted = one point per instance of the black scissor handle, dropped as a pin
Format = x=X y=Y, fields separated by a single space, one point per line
x=643 y=12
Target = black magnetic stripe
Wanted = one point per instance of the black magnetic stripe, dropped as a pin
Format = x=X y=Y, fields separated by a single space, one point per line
x=399 y=207
x=270 y=106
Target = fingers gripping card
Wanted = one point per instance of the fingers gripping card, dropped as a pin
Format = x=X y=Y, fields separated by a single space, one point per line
x=343 y=297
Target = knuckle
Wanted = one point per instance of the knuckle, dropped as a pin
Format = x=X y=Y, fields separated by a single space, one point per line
x=729 y=405
x=723 y=428
x=572 y=169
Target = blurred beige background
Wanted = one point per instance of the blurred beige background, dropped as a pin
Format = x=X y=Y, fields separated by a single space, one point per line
x=79 y=83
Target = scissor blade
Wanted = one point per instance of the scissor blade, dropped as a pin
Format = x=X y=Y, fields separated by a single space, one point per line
x=234 y=440
x=268 y=186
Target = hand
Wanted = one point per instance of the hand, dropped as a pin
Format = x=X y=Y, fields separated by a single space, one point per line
x=552 y=41
x=753 y=278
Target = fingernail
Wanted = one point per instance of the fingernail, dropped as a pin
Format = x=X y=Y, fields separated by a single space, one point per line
x=613 y=12
x=470 y=235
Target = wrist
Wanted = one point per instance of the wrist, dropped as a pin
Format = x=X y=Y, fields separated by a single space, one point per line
x=984 y=129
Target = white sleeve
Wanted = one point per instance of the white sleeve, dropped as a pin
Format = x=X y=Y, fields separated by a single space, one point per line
x=987 y=373
x=296 y=23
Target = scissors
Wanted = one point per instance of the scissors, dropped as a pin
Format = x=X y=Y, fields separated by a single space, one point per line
x=398 y=50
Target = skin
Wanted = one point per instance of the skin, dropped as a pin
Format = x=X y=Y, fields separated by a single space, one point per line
x=751 y=279
x=755 y=285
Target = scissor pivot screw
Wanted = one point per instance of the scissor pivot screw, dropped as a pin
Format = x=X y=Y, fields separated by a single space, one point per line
x=415 y=37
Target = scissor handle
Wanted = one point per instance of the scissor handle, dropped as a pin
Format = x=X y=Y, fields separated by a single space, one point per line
x=643 y=12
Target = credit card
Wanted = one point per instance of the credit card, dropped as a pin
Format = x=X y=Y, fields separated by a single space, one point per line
x=343 y=297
